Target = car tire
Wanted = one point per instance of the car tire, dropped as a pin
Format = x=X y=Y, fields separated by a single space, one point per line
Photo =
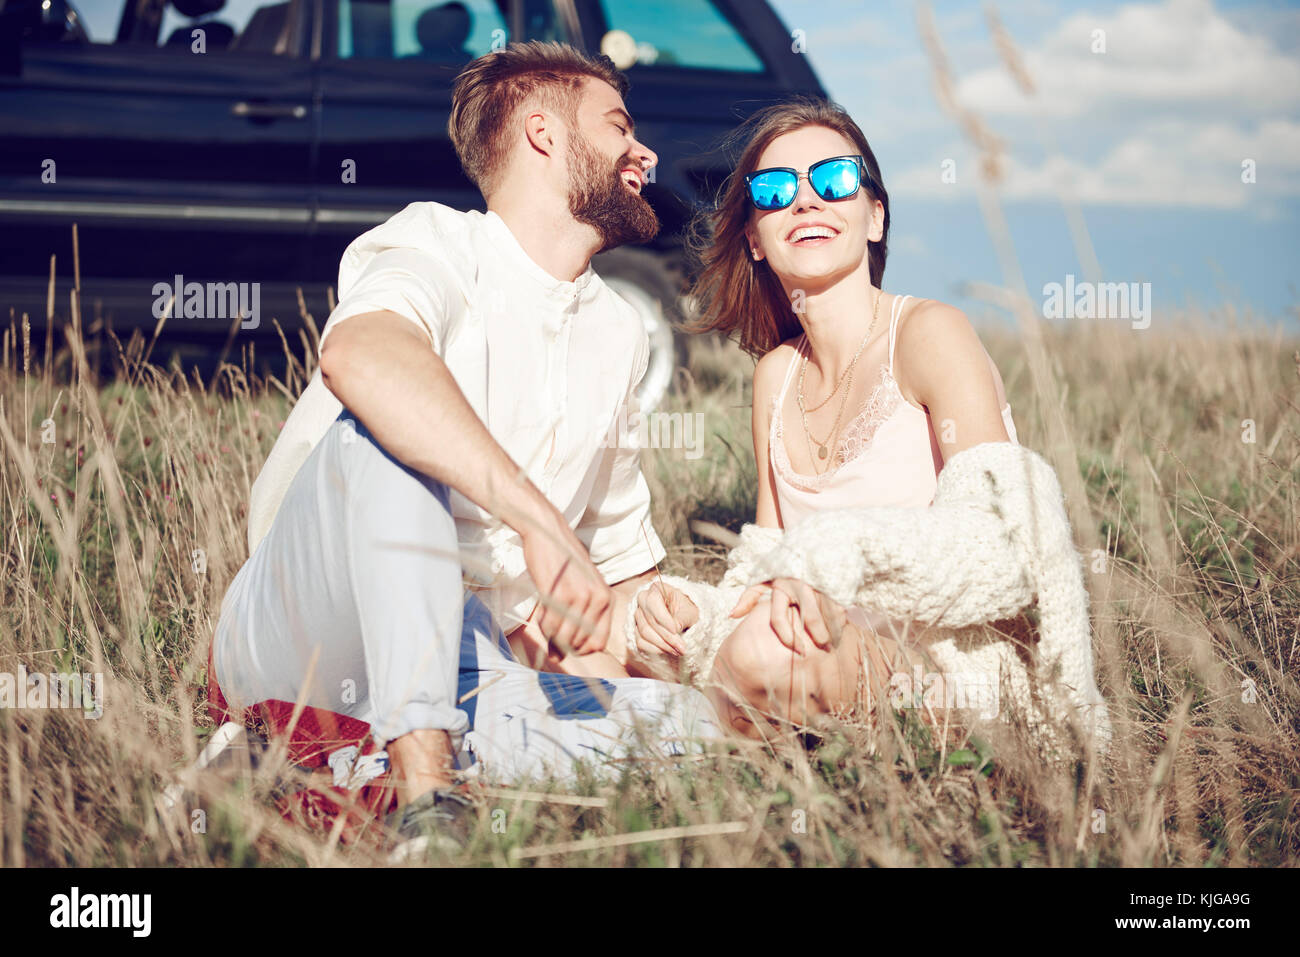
x=647 y=283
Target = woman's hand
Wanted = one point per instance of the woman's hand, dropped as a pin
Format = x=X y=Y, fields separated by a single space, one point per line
x=800 y=613
x=662 y=614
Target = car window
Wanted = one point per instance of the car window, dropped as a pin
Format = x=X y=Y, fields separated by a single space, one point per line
x=432 y=30
x=100 y=18
x=675 y=34
x=246 y=26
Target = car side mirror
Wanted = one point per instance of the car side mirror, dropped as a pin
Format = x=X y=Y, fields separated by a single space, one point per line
x=45 y=21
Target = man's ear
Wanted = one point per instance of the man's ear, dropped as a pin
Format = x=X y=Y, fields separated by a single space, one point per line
x=541 y=129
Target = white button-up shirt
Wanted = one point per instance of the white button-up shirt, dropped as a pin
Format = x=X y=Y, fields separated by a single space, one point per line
x=551 y=367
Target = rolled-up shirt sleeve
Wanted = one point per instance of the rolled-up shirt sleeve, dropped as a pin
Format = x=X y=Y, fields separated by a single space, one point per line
x=616 y=526
x=412 y=283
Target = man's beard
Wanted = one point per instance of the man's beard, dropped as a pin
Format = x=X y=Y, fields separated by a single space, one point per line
x=599 y=197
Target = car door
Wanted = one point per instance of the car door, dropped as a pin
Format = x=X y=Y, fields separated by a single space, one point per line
x=178 y=137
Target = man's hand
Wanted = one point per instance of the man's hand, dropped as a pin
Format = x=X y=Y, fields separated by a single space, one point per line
x=576 y=602
x=382 y=368
x=800 y=613
x=662 y=614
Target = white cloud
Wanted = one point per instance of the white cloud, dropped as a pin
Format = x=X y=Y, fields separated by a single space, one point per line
x=1172 y=163
x=909 y=243
x=1181 y=53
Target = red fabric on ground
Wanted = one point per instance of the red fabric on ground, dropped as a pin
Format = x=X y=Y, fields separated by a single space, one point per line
x=312 y=738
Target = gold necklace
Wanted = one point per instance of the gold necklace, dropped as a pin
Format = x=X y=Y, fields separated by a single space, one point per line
x=846 y=374
x=823 y=449
x=848 y=371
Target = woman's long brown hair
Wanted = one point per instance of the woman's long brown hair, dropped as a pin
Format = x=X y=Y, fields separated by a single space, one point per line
x=734 y=294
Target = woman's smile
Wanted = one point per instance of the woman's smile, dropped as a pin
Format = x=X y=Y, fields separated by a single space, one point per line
x=811 y=234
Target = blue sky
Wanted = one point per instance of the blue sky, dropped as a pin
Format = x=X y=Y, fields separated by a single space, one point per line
x=1147 y=138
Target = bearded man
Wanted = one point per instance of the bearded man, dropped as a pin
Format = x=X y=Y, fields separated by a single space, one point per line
x=443 y=507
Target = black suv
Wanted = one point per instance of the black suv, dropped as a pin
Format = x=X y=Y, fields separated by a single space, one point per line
x=236 y=141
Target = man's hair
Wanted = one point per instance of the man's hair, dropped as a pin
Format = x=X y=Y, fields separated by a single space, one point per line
x=489 y=93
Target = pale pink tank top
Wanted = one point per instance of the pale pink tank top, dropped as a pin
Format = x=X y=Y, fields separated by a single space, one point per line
x=888 y=454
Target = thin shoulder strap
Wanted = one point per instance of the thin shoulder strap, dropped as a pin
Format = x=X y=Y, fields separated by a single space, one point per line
x=895 y=313
x=789 y=372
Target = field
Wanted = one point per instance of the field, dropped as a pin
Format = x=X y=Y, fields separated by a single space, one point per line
x=1179 y=450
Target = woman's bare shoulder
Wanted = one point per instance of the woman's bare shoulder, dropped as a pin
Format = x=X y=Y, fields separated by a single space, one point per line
x=771 y=368
x=928 y=325
x=934 y=338
x=929 y=313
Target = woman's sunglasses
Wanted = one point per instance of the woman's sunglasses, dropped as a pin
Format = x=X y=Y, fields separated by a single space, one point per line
x=832 y=179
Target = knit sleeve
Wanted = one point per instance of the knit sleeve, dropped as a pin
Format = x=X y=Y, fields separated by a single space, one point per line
x=968 y=558
x=714 y=602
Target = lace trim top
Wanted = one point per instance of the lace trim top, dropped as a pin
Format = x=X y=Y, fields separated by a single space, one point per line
x=885 y=455
x=882 y=402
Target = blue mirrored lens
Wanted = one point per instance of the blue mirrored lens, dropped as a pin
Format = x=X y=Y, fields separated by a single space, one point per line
x=773 y=190
x=837 y=179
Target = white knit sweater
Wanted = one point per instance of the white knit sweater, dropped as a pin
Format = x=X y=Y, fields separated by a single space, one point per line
x=995 y=541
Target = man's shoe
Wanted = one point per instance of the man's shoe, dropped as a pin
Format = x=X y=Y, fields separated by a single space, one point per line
x=440 y=820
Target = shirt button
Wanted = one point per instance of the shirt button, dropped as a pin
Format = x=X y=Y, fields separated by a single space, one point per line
x=497 y=566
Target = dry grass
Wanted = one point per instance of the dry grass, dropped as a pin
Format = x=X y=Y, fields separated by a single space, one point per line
x=123 y=531
x=1199 y=598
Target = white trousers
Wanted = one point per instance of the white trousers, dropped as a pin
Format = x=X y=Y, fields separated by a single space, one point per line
x=354 y=603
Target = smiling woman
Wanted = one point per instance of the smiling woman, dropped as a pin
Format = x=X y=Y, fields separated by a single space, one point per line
x=736 y=299
x=860 y=399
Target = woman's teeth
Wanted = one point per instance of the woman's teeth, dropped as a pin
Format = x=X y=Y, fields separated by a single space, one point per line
x=812 y=232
